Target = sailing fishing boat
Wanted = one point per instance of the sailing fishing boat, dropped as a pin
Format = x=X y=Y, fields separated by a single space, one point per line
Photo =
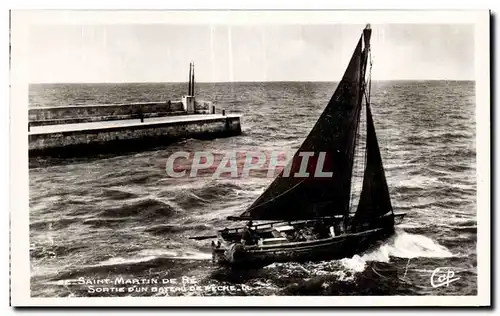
x=309 y=218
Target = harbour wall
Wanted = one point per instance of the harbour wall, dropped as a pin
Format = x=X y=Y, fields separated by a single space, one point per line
x=130 y=136
x=39 y=116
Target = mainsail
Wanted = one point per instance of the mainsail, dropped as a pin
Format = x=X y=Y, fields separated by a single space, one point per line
x=292 y=198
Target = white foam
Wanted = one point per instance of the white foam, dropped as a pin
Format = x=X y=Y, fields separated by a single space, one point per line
x=175 y=254
x=151 y=254
x=356 y=263
x=121 y=260
x=412 y=246
x=402 y=245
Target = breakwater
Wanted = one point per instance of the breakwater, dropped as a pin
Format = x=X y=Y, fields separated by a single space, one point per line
x=128 y=135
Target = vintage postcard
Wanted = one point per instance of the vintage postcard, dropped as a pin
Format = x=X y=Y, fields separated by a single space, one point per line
x=250 y=158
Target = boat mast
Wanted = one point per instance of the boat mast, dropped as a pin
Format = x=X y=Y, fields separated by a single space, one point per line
x=367 y=96
x=374 y=200
x=362 y=93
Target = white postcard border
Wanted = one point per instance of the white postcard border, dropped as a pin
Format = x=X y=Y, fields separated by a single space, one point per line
x=19 y=178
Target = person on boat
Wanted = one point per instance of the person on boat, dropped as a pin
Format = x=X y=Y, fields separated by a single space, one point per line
x=320 y=229
x=304 y=234
x=247 y=235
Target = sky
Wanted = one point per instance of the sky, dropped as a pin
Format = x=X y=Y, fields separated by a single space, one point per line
x=222 y=53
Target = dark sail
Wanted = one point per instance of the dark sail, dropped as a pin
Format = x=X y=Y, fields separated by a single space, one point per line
x=289 y=197
x=374 y=200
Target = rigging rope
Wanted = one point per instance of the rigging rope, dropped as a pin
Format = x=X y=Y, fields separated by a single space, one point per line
x=367 y=100
x=275 y=197
x=357 y=148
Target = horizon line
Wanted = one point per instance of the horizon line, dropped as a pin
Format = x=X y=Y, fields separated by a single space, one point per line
x=248 y=81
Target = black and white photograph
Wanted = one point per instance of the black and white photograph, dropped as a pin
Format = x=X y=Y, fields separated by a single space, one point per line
x=250 y=158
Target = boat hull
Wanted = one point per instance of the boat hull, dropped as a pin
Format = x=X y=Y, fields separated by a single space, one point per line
x=322 y=249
